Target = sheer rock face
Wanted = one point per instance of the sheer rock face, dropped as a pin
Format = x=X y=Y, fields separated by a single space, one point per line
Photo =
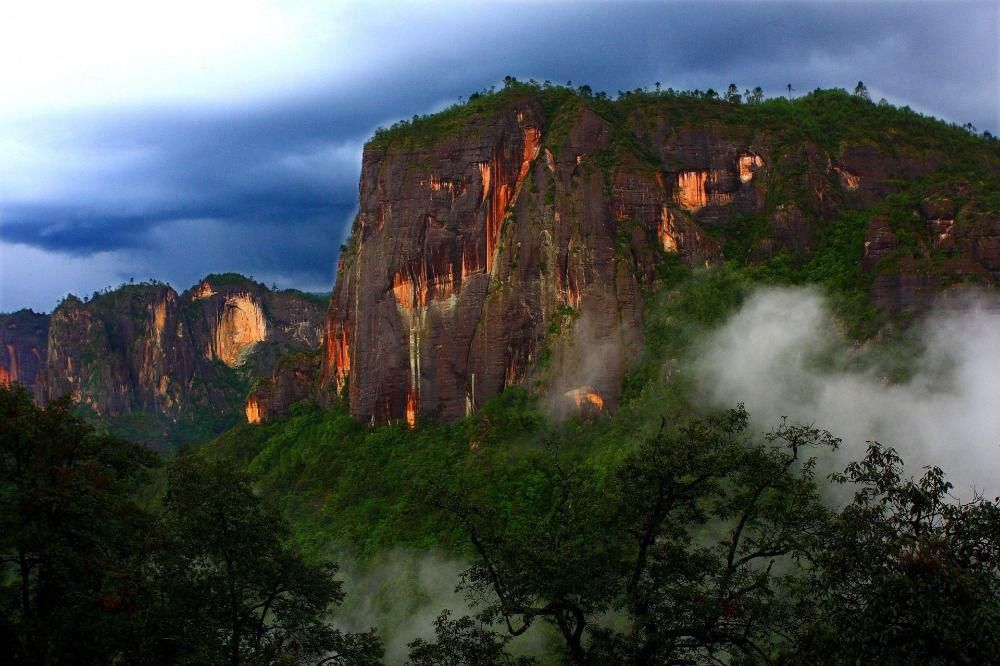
x=146 y=347
x=410 y=324
x=789 y=231
x=507 y=252
x=230 y=318
x=125 y=350
x=239 y=326
x=870 y=174
x=477 y=255
x=715 y=174
x=959 y=246
x=23 y=337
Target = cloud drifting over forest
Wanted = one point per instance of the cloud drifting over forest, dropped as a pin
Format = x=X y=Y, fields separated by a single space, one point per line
x=781 y=356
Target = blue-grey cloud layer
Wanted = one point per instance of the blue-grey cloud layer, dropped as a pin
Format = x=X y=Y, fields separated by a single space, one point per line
x=269 y=187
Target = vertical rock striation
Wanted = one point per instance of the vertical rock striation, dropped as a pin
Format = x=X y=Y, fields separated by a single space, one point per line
x=511 y=244
x=477 y=254
x=126 y=350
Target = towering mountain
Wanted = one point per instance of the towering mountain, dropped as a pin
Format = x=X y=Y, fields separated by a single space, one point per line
x=510 y=240
x=152 y=362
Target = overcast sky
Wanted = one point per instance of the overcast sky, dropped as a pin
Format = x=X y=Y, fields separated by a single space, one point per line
x=173 y=139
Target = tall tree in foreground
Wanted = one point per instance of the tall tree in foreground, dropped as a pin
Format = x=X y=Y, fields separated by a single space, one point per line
x=907 y=574
x=712 y=516
x=713 y=547
x=88 y=577
x=68 y=534
x=648 y=547
x=232 y=589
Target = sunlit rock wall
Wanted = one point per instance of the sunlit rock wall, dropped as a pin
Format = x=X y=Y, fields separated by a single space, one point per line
x=476 y=254
x=147 y=348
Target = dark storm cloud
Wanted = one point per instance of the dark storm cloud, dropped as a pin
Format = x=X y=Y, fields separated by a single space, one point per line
x=271 y=184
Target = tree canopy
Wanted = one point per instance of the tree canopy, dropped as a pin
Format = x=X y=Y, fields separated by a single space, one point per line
x=91 y=577
x=710 y=545
x=68 y=533
x=706 y=543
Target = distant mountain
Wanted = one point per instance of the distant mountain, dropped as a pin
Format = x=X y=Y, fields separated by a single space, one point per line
x=156 y=365
x=509 y=241
x=23 y=338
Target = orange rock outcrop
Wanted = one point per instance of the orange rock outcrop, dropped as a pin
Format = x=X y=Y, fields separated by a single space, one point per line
x=667 y=231
x=850 y=181
x=204 y=290
x=412 y=408
x=586 y=399
x=338 y=348
x=253 y=411
x=9 y=373
x=691 y=191
x=241 y=325
x=747 y=165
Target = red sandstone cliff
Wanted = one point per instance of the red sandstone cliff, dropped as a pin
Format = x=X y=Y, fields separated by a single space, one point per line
x=475 y=256
x=513 y=249
x=511 y=245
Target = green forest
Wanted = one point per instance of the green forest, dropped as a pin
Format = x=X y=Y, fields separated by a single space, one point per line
x=700 y=543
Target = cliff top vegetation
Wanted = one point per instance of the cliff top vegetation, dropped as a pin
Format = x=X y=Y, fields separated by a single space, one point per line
x=824 y=116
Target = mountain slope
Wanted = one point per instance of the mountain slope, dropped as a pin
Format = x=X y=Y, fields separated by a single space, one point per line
x=508 y=241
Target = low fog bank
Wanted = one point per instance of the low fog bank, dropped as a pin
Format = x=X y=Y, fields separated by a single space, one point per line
x=402 y=592
x=586 y=361
x=781 y=355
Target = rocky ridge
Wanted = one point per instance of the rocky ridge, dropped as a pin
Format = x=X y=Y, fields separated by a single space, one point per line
x=145 y=349
x=23 y=337
x=511 y=241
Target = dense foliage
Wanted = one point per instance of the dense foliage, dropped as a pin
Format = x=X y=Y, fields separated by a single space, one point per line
x=68 y=533
x=463 y=641
x=709 y=547
x=825 y=117
x=89 y=577
x=700 y=544
x=655 y=535
x=638 y=546
x=906 y=573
